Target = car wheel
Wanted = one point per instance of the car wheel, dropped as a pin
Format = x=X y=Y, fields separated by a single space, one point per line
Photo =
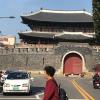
x=95 y=87
x=1 y=84
x=30 y=92
x=4 y=93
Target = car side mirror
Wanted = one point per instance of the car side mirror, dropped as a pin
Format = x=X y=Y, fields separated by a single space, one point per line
x=32 y=78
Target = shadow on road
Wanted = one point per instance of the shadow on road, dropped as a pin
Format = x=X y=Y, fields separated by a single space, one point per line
x=34 y=91
x=0 y=89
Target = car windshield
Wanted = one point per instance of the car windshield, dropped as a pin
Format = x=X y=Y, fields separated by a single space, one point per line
x=17 y=75
x=7 y=72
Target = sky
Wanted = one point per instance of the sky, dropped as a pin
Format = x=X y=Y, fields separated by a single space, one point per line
x=19 y=7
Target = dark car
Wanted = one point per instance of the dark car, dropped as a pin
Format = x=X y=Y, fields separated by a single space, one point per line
x=0 y=73
x=4 y=76
x=96 y=80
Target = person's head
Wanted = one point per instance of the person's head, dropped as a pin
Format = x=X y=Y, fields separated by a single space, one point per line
x=49 y=71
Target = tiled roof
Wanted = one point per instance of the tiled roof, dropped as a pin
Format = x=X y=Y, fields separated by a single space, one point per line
x=58 y=16
x=38 y=34
x=64 y=35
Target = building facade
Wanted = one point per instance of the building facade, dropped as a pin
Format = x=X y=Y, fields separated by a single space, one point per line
x=7 y=40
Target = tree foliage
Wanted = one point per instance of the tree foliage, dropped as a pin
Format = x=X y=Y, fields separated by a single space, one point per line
x=96 y=18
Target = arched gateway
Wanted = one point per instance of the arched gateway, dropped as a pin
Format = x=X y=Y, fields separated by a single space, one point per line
x=73 y=63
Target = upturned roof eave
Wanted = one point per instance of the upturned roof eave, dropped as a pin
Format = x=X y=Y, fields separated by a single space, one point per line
x=30 y=17
x=64 y=35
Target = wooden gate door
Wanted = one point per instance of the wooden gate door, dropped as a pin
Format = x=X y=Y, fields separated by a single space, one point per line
x=72 y=64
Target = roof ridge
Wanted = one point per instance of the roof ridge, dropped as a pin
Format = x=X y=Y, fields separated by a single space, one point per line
x=66 y=11
x=73 y=33
x=25 y=32
x=58 y=11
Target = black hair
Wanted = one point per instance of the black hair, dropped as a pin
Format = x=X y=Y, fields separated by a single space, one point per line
x=50 y=70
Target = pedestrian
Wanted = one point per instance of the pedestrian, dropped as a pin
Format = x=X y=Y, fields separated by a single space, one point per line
x=51 y=91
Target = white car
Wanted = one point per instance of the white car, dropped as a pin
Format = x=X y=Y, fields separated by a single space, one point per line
x=17 y=82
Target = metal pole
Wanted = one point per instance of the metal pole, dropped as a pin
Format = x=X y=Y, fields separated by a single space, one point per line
x=11 y=17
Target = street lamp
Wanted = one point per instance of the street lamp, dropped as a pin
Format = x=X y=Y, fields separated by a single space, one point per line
x=8 y=17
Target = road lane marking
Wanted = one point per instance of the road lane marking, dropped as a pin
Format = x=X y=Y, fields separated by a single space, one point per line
x=82 y=90
x=85 y=92
x=30 y=99
x=19 y=99
x=38 y=95
x=76 y=99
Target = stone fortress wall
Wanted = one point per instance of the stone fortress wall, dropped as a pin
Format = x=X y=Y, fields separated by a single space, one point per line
x=37 y=58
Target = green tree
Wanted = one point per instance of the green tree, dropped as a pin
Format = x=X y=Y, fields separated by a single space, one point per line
x=96 y=18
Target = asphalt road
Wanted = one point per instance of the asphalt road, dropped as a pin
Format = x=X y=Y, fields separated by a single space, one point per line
x=76 y=89
x=87 y=85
